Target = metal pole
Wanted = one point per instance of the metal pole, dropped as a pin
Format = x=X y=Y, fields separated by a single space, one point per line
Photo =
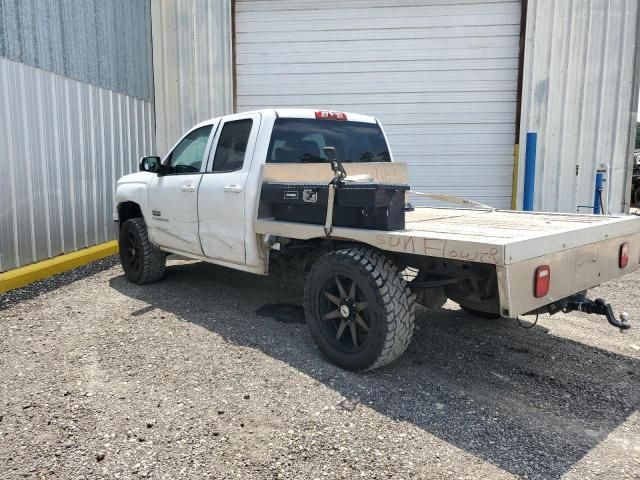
x=597 y=201
x=529 y=171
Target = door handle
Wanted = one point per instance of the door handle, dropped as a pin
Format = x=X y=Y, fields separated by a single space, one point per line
x=233 y=188
x=188 y=188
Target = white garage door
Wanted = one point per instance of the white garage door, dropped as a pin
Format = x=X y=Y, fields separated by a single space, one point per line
x=442 y=78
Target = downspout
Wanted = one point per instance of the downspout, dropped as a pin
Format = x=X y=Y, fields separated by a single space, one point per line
x=633 y=112
x=524 y=7
x=606 y=168
x=234 y=78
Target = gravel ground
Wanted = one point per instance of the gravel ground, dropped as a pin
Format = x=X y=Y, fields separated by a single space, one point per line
x=182 y=379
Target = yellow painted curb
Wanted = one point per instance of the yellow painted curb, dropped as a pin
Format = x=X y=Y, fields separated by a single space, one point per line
x=22 y=276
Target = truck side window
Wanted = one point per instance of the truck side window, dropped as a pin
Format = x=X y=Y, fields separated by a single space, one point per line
x=232 y=145
x=188 y=154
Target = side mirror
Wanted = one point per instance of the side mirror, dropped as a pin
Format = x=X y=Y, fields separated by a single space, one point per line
x=164 y=169
x=149 y=164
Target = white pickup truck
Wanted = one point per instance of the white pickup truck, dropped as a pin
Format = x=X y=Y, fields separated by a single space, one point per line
x=203 y=201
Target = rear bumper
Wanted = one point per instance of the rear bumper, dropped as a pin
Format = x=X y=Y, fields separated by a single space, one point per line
x=573 y=270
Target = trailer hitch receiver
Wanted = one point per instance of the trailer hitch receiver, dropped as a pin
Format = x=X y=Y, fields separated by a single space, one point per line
x=581 y=303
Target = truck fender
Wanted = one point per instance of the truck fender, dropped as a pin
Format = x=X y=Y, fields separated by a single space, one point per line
x=131 y=193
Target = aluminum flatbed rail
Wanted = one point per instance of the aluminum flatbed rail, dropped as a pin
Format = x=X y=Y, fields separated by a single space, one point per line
x=499 y=237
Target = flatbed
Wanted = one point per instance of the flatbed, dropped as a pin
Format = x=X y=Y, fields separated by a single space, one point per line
x=575 y=245
x=498 y=237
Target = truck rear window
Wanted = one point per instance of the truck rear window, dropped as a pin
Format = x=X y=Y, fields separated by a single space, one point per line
x=301 y=140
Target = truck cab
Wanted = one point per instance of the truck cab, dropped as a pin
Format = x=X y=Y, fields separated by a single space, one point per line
x=201 y=199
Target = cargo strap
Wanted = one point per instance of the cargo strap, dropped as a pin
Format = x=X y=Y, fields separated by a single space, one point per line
x=339 y=176
x=329 y=220
x=452 y=199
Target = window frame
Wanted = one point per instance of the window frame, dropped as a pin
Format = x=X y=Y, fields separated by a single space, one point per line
x=256 y=118
x=271 y=146
x=167 y=158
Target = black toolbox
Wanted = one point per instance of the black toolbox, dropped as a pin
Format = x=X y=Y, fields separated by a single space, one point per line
x=373 y=206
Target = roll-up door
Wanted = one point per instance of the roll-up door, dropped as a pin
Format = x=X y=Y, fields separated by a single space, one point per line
x=441 y=76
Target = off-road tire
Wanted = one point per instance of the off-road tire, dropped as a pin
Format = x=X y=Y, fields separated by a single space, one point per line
x=391 y=303
x=152 y=260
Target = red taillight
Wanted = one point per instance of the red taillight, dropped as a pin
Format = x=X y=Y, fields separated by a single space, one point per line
x=326 y=115
x=542 y=281
x=623 y=260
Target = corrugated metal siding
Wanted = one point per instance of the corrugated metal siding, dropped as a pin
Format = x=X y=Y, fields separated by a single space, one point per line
x=64 y=143
x=578 y=93
x=440 y=75
x=191 y=63
x=105 y=43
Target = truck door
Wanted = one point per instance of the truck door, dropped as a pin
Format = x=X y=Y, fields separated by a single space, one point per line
x=173 y=198
x=221 y=198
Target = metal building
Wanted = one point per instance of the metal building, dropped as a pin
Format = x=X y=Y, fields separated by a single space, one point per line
x=580 y=94
x=87 y=87
x=457 y=84
x=76 y=109
x=192 y=64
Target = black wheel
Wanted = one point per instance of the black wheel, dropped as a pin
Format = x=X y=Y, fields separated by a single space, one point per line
x=359 y=309
x=636 y=196
x=480 y=313
x=141 y=261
